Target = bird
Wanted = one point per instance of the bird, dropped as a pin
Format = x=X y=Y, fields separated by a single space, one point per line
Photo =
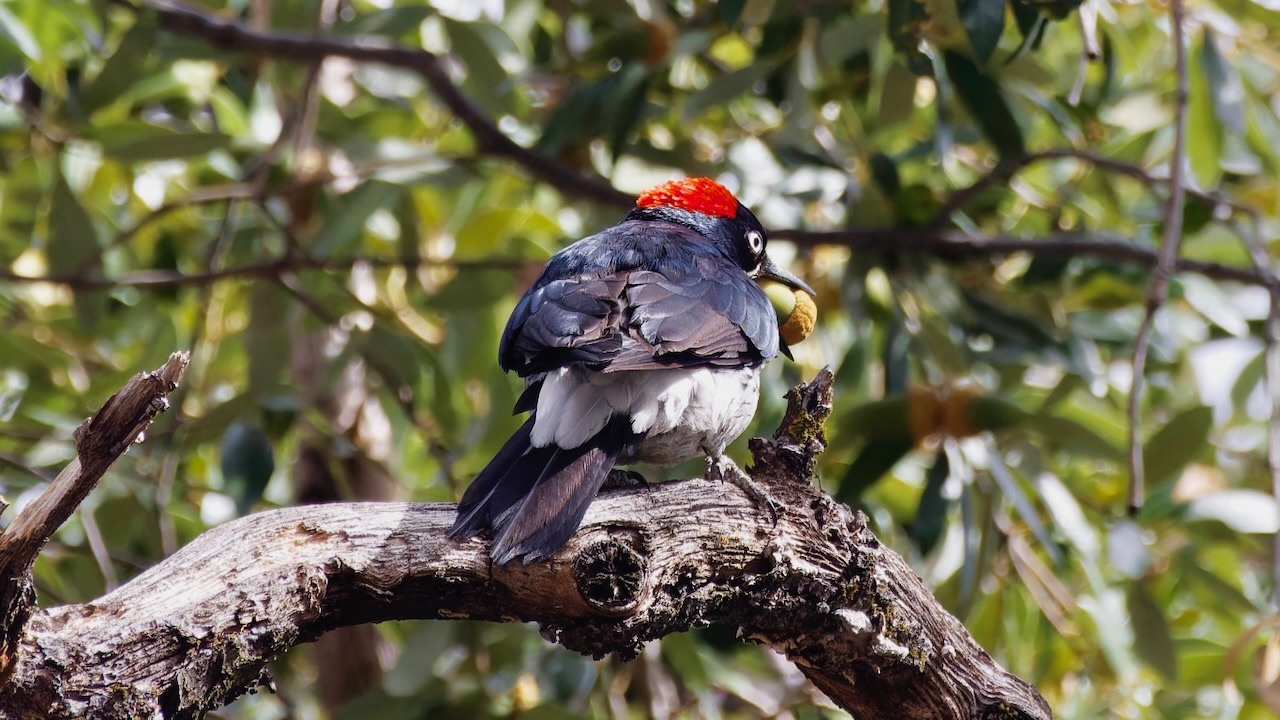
x=644 y=344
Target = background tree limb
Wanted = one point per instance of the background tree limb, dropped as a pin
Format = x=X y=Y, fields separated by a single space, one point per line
x=492 y=142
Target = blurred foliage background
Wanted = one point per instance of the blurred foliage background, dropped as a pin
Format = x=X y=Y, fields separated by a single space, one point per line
x=976 y=188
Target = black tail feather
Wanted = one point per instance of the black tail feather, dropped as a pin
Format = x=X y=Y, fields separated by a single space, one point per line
x=535 y=498
x=478 y=503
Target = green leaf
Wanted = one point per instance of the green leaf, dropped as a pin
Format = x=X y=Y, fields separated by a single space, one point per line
x=1152 y=642
x=931 y=513
x=1213 y=302
x=684 y=656
x=628 y=97
x=128 y=64
x=1245 y=511
x=1028 y=18
x=1012 y=490
x=1114 y=635
x=727 y=87
x=342 y=231
x=877 y=420
x=985 y=100
x=267 y=341
x=885 y=173
x=398 y=359
x=984 y=22
x=1068 y=516
x=1073 y=437
x=1009 y=324
x=73 y=243
x=477 y=44
x=421 y=650
x=16 y=35
x=1176 y=444
x=875 y=459
x=1247 y=381
x=904 y=18
x=472 y=288
x=730 y=10
x=132 y=142
x=247 y=464
x=1226 y=90
x=377 y=703
x=1069 y=383
x=1204 y=129
x=392 y=21
x=19 y=207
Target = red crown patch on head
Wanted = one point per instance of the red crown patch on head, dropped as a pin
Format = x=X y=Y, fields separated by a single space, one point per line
x=700 y=195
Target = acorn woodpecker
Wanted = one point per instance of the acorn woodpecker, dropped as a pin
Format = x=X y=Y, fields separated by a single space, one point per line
x=640 y=344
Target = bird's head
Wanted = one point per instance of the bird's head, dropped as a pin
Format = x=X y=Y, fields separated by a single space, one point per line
x=708 y=207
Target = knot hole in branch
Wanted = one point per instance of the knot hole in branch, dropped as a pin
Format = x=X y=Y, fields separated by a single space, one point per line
x=611 y=575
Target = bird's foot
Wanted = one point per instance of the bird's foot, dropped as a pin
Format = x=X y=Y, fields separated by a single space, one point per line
x=618 y=479
x=724 y=469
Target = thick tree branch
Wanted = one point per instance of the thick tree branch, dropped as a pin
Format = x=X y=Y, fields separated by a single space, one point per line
x=99 y=442
x=197 y=630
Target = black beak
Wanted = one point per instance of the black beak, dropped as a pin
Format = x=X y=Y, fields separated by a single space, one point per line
x=770 y=270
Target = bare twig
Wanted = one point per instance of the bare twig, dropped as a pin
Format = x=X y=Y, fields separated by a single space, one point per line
x=20 y=465
x=1166 y=260
x=98 y=548
x=164 y=494
x=99 y=441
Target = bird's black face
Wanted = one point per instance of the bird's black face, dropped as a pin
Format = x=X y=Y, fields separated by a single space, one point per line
x=745 y=238
x=749 y=243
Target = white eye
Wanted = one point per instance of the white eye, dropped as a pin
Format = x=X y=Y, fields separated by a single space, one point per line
x=755 y=241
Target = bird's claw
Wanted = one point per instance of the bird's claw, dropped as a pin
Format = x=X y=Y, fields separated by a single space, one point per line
x=724 y=469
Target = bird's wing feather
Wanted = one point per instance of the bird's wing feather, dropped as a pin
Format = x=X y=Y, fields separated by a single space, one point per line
x=642 y=319
x=712 y=315
x=562 y=322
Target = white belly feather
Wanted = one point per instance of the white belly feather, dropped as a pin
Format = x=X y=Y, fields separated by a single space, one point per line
x=684 y=412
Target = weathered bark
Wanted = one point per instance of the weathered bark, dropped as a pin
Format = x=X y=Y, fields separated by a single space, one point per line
x=196 y=630
x=99 y=441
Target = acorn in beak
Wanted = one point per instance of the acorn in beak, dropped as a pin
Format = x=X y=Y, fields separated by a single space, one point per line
x=793 y=301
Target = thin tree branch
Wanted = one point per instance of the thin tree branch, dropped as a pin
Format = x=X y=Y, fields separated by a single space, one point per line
x=957 y=245
x=229 y=35
x=947 y=245
x=99 y=441
x=98 y=548
x=266 y=269
x=1166 y=261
